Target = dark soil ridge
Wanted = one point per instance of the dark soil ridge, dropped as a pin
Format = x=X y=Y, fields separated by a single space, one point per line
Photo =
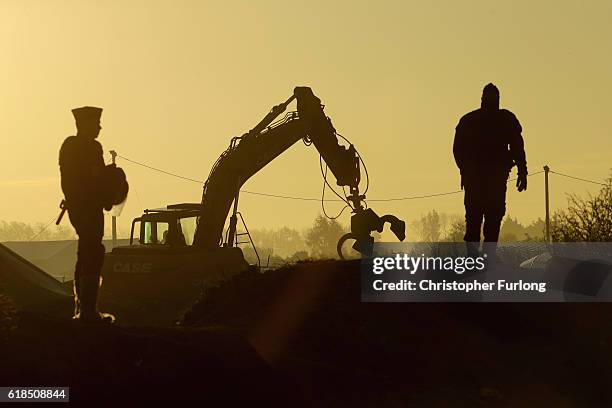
x=300 y=335
x=308 y=320
x=106 y=365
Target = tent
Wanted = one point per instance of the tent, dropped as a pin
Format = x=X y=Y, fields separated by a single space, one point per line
x=29 y=286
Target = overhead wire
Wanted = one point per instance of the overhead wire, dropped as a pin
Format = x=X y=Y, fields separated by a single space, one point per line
x=160 y=170
x=325 y=184
x=340 y=198
x=578 y=178
x=43 y=229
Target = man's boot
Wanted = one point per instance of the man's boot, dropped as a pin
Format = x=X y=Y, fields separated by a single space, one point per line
x=472 y=249
x=88 y=299
x=490 y=251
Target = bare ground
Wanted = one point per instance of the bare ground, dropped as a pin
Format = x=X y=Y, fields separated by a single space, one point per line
x=301 y=336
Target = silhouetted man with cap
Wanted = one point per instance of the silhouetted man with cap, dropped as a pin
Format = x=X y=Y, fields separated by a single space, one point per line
x=488 y=143
x=82 y=164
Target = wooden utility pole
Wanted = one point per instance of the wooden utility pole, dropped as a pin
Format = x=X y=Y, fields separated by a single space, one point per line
x=114 y=219
x=547 y=227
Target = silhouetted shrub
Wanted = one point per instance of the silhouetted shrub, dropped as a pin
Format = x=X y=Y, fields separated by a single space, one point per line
x=586 y=219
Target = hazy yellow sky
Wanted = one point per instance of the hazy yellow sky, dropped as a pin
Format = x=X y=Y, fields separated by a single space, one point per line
x=178 y=79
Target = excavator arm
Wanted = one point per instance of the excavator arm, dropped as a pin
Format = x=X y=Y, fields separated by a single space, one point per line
x=249 y=153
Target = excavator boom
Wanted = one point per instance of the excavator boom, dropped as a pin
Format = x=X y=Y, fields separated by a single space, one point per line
x=249 y=153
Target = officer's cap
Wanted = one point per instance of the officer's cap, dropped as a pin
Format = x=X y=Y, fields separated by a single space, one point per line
x=87 y=114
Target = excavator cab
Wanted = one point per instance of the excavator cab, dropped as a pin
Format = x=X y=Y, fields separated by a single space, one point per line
x=169 y=226
x=161 y=273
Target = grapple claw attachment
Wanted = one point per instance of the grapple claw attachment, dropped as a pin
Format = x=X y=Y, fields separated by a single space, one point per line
x=398 y=227
x=363 y=223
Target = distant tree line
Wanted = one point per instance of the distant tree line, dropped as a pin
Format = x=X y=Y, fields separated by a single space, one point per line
x=282 y=245
x=22 y=231
x=290 y=245
x=39 y=231
x=436 y=227
x=433 y=227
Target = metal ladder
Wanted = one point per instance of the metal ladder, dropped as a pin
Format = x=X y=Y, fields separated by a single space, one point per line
x=247 y=233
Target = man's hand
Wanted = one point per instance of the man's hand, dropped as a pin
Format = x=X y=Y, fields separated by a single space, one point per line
x=521 y=182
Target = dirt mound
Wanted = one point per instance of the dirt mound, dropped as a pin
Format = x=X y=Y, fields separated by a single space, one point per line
x=300 y=335
x=308 y=321
x=109 y=365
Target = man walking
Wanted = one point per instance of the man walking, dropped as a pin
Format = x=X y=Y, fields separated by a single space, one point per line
x=82 y=166
x=488 y=143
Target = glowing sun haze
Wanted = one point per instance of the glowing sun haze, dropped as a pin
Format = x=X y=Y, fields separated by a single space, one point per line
x=178 y=79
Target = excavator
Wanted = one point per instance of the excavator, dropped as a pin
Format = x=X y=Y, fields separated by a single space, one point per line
x=185 y=247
